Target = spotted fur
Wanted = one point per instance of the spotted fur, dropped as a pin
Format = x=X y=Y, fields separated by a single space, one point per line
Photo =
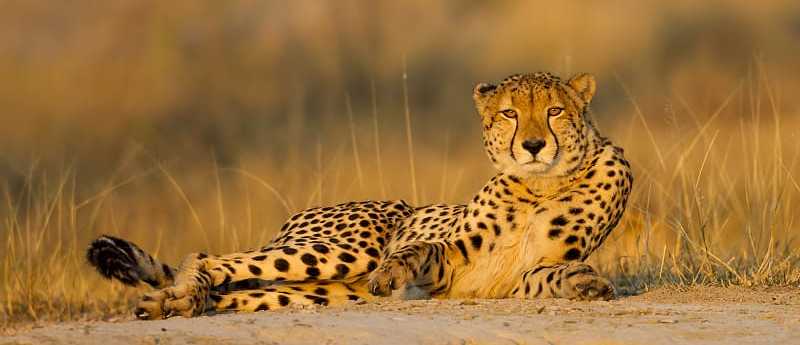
x=561 y=188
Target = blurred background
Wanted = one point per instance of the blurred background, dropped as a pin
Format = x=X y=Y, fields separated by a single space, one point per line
x=189 y=125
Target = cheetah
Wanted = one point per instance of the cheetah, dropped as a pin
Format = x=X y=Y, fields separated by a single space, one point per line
x=561 y=188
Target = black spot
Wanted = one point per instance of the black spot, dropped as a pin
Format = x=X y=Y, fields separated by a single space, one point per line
x=255 y=270
x=262 y=307
x=496 y=229
x=256 y=294
x=572 y=254
x=309 y=259
x=554 y=234
x=283 y=300
x=281 y=265
x=571 y=239
x=372 y=265
x=259 y=258
x=321 y=248
x=341 y=271
x=462 y=248
x=575 y=210
x=234 y=304
x=312 y=272
x=347 y=257
x=590 y=174
x=321 y=291
x=560 y=220
x=229 y=267
x=289 y=251
x=476 y=241
x=373 y=252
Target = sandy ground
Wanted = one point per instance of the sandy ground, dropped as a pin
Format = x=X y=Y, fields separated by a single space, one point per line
x=664 y=316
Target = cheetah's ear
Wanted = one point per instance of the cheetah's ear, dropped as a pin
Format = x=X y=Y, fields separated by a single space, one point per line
x=584 y=85
x=481 y=94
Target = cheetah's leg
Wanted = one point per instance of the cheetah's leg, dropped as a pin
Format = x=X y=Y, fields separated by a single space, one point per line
x=339 y=243
x=279 y=296
x=574 y=280
x=428 y=265
x=200 y=272
x=186 y=298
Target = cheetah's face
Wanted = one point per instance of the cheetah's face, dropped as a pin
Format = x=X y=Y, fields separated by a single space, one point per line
x=534 y=124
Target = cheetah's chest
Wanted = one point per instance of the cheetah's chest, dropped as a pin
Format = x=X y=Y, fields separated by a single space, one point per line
x=495 y=246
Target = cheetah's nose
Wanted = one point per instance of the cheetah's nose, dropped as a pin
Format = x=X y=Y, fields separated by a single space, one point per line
x=533 y=146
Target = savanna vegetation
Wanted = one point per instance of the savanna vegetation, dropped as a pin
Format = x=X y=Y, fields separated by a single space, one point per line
x=200 y=126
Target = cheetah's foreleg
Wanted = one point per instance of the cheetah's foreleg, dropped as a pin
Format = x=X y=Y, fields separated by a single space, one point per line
x=425 y=264
x=574 y=280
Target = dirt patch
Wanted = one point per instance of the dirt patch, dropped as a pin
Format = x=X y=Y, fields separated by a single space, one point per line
x=663 y=316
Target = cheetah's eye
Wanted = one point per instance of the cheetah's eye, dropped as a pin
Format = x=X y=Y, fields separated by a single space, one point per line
x=509 y=113
x=555 y=111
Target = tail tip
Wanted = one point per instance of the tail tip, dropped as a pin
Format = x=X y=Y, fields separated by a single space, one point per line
x=110 y=256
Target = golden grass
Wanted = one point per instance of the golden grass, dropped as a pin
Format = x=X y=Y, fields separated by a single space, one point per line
x=205 y=136
x=715 y=206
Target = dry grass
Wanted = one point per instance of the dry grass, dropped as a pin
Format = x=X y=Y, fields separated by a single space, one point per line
x=211 y=149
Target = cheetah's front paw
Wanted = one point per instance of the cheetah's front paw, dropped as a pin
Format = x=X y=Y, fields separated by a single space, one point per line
x=389 y=276
x=183 y=300
x=581 y=282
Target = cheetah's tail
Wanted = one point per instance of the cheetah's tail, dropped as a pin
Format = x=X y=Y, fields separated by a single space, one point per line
x=119 y=259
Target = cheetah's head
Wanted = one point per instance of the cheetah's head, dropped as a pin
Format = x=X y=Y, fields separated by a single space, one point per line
x=535 y=124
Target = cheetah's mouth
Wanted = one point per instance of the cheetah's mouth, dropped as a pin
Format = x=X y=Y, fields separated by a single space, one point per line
x=535 y=165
